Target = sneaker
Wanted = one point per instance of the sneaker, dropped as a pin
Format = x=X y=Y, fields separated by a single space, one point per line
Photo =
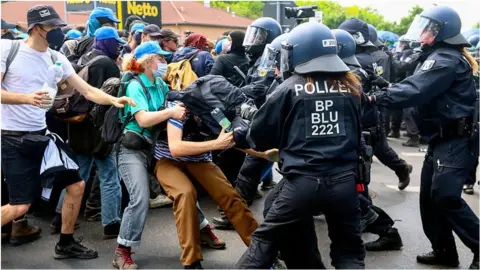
x=74 y=250
x=94 y=218
x=404 y=177
x=435 y=258
x=56 y=226
x=111 y=231
x=195 y=265
x=208 y=238
x=468 y=189
x=222 y=223
x=123 y=259
x=390 y=241
x=159 y=201
x=23 y=233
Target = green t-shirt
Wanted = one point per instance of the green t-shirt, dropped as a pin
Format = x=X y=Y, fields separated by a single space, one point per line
x=135 y=91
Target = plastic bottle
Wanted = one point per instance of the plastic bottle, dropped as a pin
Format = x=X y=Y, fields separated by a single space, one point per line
x=54 y=76
x=221 y=119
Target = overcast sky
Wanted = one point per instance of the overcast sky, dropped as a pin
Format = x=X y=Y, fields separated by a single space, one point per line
x=393 y=10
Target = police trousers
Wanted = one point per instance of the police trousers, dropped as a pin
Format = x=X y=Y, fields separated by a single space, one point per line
x=386 y=155
x=383 y=223
x=289 y=228
x=250 y=175
x=447 y=165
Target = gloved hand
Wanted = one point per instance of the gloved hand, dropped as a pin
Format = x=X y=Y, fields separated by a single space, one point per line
x=247 y=111
x=380 y=82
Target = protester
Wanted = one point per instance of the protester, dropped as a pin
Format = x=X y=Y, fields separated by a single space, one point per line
x=24 y=140
x=202 y=62
x=148 y=63
x=134 y=39
x=151 y=32
x=101 y=63
x=6 y=32
x=169 y=42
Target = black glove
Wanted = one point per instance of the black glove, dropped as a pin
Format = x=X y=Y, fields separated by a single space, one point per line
x=380 y=81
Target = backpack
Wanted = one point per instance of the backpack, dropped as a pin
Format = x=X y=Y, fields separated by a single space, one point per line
x=115 y=120
x=69 y=105
x=180 y=75
x=14 y=51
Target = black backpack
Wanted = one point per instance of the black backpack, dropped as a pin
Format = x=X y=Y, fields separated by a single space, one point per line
x=113 y=126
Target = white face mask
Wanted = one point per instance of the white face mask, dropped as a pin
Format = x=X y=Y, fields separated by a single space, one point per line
x=161 y=70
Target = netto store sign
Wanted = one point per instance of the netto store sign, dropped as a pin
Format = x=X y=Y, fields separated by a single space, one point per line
x=89 y=5
x=149 y=11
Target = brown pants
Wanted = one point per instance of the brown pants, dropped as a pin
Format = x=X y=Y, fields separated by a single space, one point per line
x=179 y=188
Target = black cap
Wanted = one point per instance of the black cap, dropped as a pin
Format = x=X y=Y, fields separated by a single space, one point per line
x=43 y=15
x=357 y=26
x=6 y=25
x=168 y=34
x=152 y=30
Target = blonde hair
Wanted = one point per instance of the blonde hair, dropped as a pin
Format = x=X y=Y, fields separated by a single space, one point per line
x=129 y=62
x=471 y=60
x=347 y=79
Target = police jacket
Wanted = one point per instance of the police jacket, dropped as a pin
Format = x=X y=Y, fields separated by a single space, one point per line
x=405 y=65
x=258 y=82
x=370 y=115
x=317 y=130
x=384 y=63
x=367 y=62
x=442 y=88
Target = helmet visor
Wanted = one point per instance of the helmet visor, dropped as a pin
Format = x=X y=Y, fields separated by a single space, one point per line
x=255 y=36
x=269 y=58
x=286 y=61
x=423 y=30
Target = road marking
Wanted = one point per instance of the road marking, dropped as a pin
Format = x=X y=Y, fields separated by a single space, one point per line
x=408 y=189
x=413 y=154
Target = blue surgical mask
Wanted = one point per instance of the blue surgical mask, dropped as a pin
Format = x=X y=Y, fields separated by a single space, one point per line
x=161 y=70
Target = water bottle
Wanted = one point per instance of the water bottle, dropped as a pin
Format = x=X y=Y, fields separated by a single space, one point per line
x=221 y=119
x=54 y=76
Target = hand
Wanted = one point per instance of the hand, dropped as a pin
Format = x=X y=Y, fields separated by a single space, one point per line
x=224 y=140
x=39 y=99
x=121 y=101
x=272 y=155
x=178 y=112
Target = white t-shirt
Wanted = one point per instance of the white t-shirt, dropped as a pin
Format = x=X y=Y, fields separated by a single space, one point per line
x=27 y=74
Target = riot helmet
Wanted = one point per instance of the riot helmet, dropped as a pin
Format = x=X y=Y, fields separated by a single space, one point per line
x=437 y=24
x=346 y=47
x=271 y=55
x=310 y=47
x=261 y=32
x=359 y=31
x=473 y=40
x=372 y=31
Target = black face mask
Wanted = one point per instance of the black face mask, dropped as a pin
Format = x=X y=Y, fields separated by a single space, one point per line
x=8 y=35
x=54 y=38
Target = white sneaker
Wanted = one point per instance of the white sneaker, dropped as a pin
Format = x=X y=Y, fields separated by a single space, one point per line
x=159 y=201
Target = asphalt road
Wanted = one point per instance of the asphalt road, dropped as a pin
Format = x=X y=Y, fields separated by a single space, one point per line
x=160 y=247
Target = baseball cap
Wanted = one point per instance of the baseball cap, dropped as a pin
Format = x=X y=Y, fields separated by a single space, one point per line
x=168 y=34
x=152 y=30
x=6 y=25
x=138 y=27
x=107 y=32
x=101 y=12
x=43 y=15
x=73 y=34
x=149 y=47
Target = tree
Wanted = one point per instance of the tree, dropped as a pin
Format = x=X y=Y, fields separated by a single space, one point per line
x=476 y=25
x=249 y=9
x=405 y=22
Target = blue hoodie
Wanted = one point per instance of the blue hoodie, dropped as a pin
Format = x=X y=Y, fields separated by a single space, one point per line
x=202 y=63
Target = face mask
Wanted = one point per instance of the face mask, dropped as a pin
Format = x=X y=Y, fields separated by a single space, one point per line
x=55 y=38
x=160 y=71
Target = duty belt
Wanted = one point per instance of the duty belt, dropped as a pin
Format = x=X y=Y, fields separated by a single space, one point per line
x=457 y=128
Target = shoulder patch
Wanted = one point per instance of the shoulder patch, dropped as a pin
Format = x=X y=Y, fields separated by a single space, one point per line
x=407 y=60
x=427 y=65
x=379 y=70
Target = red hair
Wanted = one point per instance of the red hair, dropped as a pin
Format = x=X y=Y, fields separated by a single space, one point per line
x=131 y=64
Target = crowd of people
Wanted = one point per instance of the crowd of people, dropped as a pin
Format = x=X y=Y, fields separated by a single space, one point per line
x=320 y=103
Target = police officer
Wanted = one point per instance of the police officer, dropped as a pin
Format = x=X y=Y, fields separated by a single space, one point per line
x=260 y=33
x=374 y=219
x=444 y=91
x=317 y=132
x=359 y=30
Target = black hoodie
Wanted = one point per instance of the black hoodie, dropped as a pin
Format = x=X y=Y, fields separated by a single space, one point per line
x=235 y=57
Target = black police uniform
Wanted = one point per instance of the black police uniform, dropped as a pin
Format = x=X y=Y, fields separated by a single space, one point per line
x=443 y=89
x=382 y=150
x=319 y=163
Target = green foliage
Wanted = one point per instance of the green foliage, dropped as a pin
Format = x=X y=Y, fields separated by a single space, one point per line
x=334 y=14
x=249 y=9
x=476 y=25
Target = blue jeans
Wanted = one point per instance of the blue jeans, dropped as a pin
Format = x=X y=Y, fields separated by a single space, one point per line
x=132 y=167
x=110 y=189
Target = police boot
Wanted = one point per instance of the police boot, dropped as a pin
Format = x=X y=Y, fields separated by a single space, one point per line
x=404 y=176
x=368 y=218
x=23 y=233
x=222 y=222
x=414 y=141
x=440 y=257
x=394 y=134
x=390 y=240
x=474 y=264
x=468 y=189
